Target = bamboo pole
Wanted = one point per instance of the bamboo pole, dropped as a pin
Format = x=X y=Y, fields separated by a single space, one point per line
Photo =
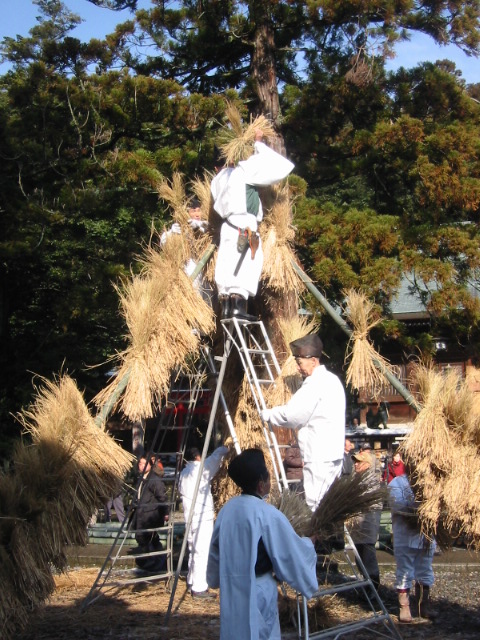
x=395 y=382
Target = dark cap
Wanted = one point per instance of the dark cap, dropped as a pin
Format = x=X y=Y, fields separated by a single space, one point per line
x=247 y=469
x=308 y=346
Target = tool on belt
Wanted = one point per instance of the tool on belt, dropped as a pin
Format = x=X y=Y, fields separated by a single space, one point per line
x=246 y=238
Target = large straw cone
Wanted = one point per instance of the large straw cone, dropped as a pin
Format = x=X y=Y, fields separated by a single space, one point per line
x=66 y=472
x=443 y=452
x=362 y=373
x=165 y=316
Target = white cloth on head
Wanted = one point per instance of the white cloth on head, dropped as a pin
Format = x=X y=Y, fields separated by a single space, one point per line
x=229 y=191
x=248 y=604
x=201 y=528
x=317 y=410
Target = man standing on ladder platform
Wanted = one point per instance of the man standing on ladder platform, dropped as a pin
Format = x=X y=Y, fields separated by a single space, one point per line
x=317 y=411
x=201 y=528
x=236 y=200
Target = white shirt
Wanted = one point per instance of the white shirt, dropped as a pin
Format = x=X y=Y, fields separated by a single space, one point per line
x=264 y=167
x=317 y=410
x=204 y=508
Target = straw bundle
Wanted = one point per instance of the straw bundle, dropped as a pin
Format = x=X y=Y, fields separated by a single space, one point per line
x=289 y=380
x=239 y=138
x=362 y=372
x=173 y=192
x=347 y=497
x=295 y=509
x=68 y=470
x=165 y=316
x=277 y=240
x=442 y=450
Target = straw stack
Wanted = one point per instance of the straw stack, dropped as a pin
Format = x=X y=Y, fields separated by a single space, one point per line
x=443 y=452
x=60 y=478
x=165 y=316
x=362 y=372
x=278 y=236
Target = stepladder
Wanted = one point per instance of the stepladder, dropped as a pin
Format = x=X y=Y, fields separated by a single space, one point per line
x=146 y=553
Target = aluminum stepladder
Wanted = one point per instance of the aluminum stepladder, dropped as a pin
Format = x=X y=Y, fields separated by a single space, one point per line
x=261 y=368
x=377 y=621
x=185 y=390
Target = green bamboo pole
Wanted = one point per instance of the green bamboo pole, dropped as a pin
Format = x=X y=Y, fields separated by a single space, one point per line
x=396 y=384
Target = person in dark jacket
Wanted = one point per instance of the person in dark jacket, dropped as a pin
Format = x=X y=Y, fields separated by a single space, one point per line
x=150 y=514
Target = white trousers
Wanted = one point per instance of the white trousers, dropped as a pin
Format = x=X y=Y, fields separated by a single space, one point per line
x=199 y=538
x=317 y=478
x=413 y=564
x=267 y=603
x=245 y=283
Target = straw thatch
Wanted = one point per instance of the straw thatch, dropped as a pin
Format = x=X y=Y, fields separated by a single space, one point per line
x=289 y=380
x=443 y=452
x=362 y=372
x=278 y=237
x=60 y=478
x=238 y=138
x=165 y=316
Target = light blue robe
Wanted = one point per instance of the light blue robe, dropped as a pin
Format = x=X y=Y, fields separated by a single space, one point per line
x=248 y=604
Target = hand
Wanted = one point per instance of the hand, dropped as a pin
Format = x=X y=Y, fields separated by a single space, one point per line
x=176 y=228
x=265 y=415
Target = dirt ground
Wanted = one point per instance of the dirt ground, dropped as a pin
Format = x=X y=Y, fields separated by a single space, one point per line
x=139 y=611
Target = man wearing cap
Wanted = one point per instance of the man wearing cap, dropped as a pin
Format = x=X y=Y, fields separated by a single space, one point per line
x=317 y=411
x=236 y=200
x=365 y=527
x=254 y=547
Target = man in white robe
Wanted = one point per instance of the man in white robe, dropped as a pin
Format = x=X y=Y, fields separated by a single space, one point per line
x=237 y=201
x=317 y=412
x=201 y=528
x=253 y=547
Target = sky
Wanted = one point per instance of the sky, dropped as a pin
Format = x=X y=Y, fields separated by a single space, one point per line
x=18 y=17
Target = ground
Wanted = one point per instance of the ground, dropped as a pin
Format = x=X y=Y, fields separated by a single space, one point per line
x=139 y=611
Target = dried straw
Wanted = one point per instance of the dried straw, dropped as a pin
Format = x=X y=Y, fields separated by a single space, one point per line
x=68 y=470
x=278 y=237
x=443 y=452
x=165 y=316
x=289 y=380
x=347 y=497
x=362 y=373
x=173 y=192
x=240 y=138
x=295 y=509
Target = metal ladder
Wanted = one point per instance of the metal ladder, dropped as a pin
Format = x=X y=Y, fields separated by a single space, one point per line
x=184 y=390
x=261 y=369
x=377 y=621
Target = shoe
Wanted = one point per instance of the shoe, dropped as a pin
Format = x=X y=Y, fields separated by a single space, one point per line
x=226 y=307
x=239 y=309
x=203 y=594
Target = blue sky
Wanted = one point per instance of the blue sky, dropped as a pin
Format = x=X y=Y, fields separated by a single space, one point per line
x=19 y=16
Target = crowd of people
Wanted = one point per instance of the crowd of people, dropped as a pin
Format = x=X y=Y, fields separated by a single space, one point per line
x=251 y=546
